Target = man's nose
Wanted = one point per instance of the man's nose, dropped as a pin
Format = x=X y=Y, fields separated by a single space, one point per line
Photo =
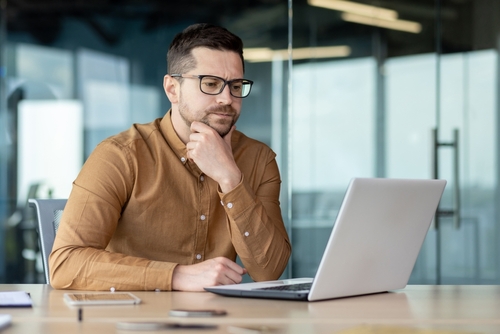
x=225 y=96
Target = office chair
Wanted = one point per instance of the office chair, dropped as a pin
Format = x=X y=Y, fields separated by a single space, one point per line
x=49 y=212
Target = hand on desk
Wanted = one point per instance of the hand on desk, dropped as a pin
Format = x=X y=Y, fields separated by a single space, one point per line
x=217 y=271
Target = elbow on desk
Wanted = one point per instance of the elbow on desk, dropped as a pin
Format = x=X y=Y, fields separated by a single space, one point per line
x=58 y=271
x=57 y=283
x=271 y=270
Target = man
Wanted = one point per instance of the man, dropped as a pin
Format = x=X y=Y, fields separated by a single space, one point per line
x=170 y=204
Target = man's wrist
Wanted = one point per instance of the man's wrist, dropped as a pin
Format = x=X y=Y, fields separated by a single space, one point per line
x=231 y=183
x=176 y=280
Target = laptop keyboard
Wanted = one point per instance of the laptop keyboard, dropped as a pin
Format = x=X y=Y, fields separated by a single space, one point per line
x=289 y=287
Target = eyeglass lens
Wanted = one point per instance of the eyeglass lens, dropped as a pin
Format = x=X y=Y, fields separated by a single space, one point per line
x=214 y=86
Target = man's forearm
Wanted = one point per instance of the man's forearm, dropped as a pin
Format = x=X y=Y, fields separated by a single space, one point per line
x=92 y=269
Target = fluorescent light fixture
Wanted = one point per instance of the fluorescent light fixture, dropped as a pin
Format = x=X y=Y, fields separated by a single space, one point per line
x=266 y=55
x=321 y=52
x=369 y=15
x=263 y=54
x=356 y=8
x=402 y=25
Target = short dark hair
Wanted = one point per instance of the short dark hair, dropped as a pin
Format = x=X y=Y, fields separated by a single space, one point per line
x=179 y=56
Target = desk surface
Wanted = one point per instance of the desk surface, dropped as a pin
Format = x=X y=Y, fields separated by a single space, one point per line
x=415 y=309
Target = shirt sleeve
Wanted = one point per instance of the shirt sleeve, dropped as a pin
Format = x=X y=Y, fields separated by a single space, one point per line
x=256 y=225
x=79 y=259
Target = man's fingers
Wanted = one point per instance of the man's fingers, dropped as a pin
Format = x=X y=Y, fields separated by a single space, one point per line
x=199 y=127
x=217 y=271
x=236 y=268
x=231 y=272
x=231 y=265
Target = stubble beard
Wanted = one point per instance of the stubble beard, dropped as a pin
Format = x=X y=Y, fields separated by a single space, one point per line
x=221 y=126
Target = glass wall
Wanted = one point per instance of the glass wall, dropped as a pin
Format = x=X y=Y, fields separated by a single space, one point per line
x=416 y=97
x=343 y=89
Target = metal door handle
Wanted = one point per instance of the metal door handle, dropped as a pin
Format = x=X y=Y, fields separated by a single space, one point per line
x=455 y=212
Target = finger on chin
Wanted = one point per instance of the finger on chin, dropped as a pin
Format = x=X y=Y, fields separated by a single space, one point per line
x=197 y=126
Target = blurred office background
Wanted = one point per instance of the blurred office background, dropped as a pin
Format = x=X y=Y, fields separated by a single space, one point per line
x=343 y=89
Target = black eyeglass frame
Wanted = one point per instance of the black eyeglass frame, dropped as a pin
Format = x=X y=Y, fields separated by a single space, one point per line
x=226 y=82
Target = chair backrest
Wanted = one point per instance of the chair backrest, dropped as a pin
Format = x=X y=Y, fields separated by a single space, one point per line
x=49 y=212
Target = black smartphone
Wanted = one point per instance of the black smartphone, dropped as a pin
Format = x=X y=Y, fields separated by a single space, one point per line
x=196 y=313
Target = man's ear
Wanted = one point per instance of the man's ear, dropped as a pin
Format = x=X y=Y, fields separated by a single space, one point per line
x=171 y=87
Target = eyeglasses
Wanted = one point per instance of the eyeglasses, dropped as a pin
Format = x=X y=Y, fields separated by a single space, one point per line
x=212 y=85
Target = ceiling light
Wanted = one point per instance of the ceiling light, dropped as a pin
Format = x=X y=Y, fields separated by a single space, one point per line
x=356 y=8
x=266 y=55
x=321 y=52
x=369 y=15
x=260 y=54
x=408 y=26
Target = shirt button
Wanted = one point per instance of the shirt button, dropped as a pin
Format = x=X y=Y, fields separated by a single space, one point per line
x=202 y=217
x=246 y=234
x=183 y=159
x=198 y=256
x=230 y=205
x=202 y=178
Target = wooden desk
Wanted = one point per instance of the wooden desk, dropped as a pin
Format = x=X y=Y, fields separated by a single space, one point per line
x=443 y=309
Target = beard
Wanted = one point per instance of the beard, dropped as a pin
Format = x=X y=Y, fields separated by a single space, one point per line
x=222 y=126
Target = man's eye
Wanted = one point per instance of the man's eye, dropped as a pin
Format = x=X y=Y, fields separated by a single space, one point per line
x=210 y=84
x=236 y=87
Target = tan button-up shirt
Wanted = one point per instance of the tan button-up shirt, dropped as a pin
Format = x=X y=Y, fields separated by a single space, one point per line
x=139 y=207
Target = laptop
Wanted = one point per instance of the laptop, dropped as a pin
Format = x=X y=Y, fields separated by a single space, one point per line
x=373 y=246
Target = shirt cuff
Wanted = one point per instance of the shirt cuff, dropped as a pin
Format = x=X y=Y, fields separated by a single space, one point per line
x=238 y=200
x=159 y=276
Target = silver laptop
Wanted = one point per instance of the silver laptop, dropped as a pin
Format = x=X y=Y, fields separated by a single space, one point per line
x=373 y=246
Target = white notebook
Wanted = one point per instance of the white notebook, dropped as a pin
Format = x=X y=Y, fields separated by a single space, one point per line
x=15 y=299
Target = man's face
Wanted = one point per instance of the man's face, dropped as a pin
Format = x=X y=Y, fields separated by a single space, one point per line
x=218 y=111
